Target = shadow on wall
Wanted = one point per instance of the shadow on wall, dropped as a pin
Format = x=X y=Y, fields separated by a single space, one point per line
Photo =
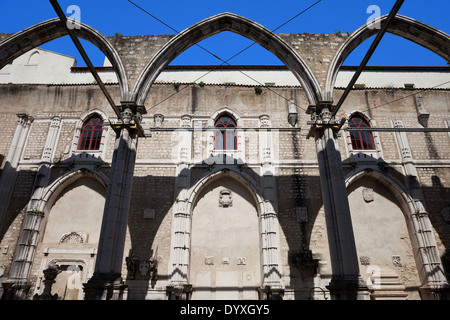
x=159 y=191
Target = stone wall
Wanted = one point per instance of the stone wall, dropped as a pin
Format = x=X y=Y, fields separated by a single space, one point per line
x=296 y=168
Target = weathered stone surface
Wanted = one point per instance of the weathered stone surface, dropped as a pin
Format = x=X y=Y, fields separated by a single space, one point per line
x=279 y=168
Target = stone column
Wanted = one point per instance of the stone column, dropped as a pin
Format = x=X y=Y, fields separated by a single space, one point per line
x=107 y=282
x=181 y=232
x=9 y=173
x=272 y=285
x=346 y=282
x=30 y=233
x=432 y=271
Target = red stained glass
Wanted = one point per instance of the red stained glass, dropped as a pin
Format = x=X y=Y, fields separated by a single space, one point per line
x=91 y=134
x=361 y=140
x=225 y=139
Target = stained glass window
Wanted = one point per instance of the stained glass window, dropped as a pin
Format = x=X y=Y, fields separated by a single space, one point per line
x=225 y=138
x=91 y=134
x=361 y=140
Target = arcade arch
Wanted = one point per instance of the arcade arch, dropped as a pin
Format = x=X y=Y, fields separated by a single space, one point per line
x=237 y=24
x=405 y=27
x=46 y=31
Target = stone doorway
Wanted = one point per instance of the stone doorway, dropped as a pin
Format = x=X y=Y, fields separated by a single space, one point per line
x=225 y=245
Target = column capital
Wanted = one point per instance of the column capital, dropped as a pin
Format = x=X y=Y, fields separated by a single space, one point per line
x=25 y=119
x=322 y=118
x=130 y=117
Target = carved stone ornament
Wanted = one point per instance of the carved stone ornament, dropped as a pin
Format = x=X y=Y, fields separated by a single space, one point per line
x=368 y=194
x=131 y=266
x=73 y=237
x=185 y=121
x=396 y=261
x=302 y=214
x=264 y=121
x=225 y=198
x=209 y=261
x=144 y=267
x=49 y=279
x=159 y=119
x=365 y=261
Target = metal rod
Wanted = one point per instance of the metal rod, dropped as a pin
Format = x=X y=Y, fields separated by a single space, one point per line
x=368 y=55
x=400 y=129
x=84 y=55
x=300 y=129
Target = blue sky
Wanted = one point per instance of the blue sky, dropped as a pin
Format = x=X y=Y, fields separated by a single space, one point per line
x=327 y=16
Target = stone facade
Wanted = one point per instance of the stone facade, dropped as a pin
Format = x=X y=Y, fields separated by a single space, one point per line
x=248 y=223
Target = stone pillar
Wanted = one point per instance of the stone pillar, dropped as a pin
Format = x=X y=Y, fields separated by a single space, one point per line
x=346 y=282
x=432 y=272
x=272 y=286
x=107 y=282
x=181 y=232
x=29 y=235
x=9 y=173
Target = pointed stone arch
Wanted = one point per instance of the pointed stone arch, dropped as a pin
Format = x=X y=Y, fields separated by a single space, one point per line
x=239 y=25
x=392 y=184
x=418 y=32
x=52 y=29
x=431 y=271
x=232 y=173
x=58 y=186
x=179 y=267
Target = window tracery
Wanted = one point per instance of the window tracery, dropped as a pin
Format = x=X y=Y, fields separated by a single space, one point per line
x=225 y=137
x=91 y=134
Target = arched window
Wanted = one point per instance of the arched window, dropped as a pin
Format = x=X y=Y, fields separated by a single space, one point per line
x=361 y=140
x=91 y=134
x=225 y=138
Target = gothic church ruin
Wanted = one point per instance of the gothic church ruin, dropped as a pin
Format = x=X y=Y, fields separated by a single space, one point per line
x=228 y=189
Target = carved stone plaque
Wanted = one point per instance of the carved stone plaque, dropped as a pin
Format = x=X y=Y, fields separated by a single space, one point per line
x=225 y=198
x=368 y=195
x=396 y=261
x=302 y=214
x=365 y=261
x=149 y=213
